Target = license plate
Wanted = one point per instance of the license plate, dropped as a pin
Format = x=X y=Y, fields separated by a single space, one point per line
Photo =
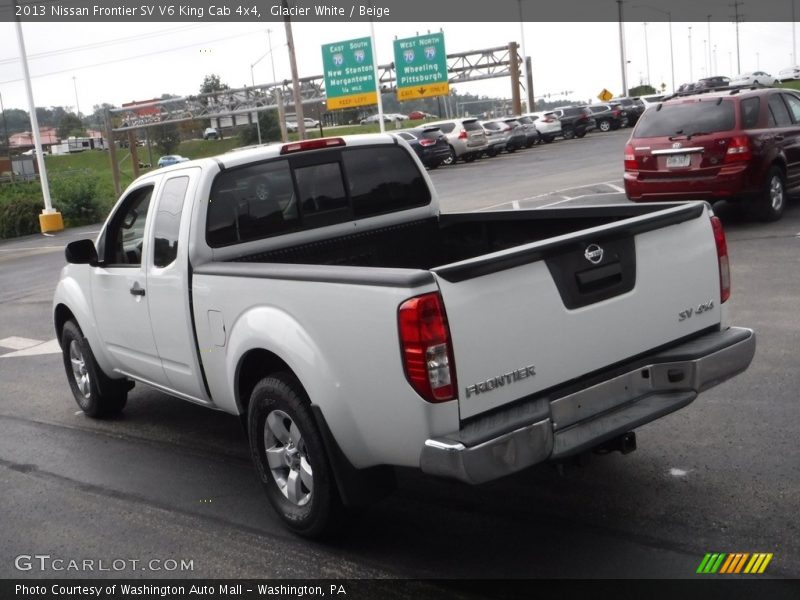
x=678 y=160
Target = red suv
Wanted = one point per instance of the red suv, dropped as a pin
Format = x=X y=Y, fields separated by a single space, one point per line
x=738 y=144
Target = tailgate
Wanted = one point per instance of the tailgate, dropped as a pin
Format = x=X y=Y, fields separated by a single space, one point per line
x=536 y=316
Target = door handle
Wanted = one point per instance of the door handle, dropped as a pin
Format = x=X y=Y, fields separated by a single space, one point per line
x=136 y=290
x=778 y=138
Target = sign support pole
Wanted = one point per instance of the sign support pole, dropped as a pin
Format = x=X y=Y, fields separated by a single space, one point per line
x=377 y=74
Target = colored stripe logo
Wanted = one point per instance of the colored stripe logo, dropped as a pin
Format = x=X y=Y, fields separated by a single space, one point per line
x=735 y=563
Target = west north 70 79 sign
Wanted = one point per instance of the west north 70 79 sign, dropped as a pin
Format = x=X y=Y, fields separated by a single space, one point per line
x=349 y=73
x=421 y=67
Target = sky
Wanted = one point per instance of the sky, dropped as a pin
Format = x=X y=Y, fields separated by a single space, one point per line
x=86 y=64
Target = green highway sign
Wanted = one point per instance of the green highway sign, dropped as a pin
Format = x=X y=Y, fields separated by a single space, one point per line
x=421 y=67
x=349 y=73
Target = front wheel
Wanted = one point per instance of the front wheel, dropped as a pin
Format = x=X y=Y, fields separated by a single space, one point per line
x=769 y=206
x=290 y=457
x=451 y=159
x=96 y=394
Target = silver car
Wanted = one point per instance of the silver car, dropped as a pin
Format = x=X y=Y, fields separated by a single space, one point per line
x=547 y=124
x=466 y=137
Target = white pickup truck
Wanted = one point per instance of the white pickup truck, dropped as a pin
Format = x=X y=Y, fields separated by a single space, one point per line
x=314 y=289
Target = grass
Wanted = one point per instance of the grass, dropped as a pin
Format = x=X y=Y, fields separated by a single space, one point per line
x=790 y=85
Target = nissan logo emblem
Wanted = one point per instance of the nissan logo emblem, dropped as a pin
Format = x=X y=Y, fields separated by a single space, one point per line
x=677 y=145
x=594 y=254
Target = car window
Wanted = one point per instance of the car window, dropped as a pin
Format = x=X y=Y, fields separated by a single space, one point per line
x=406 y=136
x=779 y=114
x=472 y=125
x=125 y=233
x=687 y=118
x=750 y=109
x=168 y=221
x=383 y=179
x=447 y=127
x=794 y=106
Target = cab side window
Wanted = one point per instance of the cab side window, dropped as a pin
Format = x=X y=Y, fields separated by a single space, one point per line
x=779 y=114
x=168 y=221
x=125 y=233
x=794 y=106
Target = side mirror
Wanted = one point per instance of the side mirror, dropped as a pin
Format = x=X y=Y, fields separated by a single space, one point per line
x=81 y=252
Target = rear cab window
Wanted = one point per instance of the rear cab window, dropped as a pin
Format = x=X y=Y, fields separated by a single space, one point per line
x=778 y=113
x=310 y=190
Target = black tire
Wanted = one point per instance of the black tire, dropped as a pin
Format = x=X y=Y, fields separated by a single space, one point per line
x=548 y=139
x=433 y=165
x=568 y=133
x=491 y=152
x=604 y=125
x=97 y=394
x=299 y=481
x=580 y=134
x=771 y=203
x=470 y=157
x=450 y=160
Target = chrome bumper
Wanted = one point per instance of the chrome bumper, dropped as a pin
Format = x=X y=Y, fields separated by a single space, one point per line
x=547 y=428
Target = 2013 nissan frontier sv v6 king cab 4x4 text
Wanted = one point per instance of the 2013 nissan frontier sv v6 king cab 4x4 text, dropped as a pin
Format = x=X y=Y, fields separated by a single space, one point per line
x=315 y=290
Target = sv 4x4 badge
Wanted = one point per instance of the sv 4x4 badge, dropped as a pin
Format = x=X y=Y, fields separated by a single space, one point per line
x=690 y=312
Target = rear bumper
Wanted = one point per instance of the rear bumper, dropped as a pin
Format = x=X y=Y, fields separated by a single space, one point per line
x=740 y=183
x=571 y=421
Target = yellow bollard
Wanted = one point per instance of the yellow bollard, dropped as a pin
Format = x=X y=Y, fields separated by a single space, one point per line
x=51 y=221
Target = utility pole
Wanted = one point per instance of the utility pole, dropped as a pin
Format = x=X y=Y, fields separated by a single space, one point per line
x=623 y=62
x=691 y=72
x=77 y=104
x=526 y=60
x=278 y=90
x=298 y=98
x=646 y=53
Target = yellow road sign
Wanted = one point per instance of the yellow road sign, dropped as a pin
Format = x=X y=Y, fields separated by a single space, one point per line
x=605 y=95
x=423 y=91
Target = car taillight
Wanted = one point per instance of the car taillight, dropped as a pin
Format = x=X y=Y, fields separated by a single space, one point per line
x=425 y=344
x=630 y=159
x=462 y=135
x=722 y=256
x=426 y=142
x=739 y=149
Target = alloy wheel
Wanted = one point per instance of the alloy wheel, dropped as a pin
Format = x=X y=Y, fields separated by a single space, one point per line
x=287 y=457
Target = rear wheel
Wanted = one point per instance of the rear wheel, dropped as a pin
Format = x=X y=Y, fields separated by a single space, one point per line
x=96 y=394
x=290 y=457
x=450 y=160
x=604 y=126
x=470 y=157
x=580 y=134
x=547 y=139
x=769 y=206
x=568 y=133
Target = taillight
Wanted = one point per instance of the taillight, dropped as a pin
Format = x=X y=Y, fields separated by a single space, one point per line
x=463 y=134
x=722 y=256
x=426 y=142
x=315 y=144
x=738 y=149
x=630 y=159
x=427 y=351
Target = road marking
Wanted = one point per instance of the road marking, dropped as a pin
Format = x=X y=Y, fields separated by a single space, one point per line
x=31 y=248
x=515 y=204
x=678 y=472
x=50 y=347
x=565 y=199
x=19 y=343
x=561 y=192
x=615 y=187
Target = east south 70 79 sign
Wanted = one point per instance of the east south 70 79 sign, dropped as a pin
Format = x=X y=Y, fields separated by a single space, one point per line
x=349 y=73
x=421 y=67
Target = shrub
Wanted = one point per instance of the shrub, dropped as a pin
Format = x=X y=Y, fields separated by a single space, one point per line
x=75 y=196
x=20 y=216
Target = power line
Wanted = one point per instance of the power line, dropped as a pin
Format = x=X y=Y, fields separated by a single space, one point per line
x=127 y=58
x=95 y=45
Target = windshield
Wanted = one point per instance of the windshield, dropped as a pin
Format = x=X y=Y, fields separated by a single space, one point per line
x=687 y=119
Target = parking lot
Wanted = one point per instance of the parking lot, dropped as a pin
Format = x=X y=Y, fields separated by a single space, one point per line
x=170 y=480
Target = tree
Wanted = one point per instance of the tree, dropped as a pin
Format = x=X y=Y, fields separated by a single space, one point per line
x=212 y=83
x=642 y=90
x=270 y=129
x=70 y=125
x=166 y=138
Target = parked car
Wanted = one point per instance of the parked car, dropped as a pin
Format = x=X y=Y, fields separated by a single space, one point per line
x=517 y=137
x=416 y=115
x=171 y=159
x=291 y=125
x=789 y=73
x=741 y=145
x=387 y=118
x=429 y=143
x=651 y=100
x=754 y=78
x=708 y=83
x=531 y=133
x=633 y=107
x=497 y=135
x=210 y=133
x=466 y=137
x=609 y=116
x=576 y=121
x=547 y=124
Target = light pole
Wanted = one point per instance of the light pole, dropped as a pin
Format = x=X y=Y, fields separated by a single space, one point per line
x=691 y=72
x=646 y=53
x=794 y=38
x=77 y=104
x=671 y=53
x=278 y=99
x=708 y=58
